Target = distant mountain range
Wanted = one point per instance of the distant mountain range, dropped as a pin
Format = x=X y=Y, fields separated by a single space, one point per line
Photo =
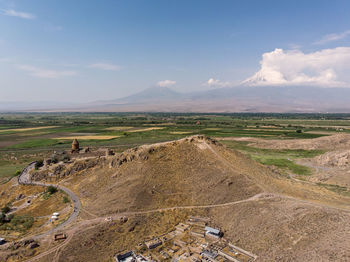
x=235 y=99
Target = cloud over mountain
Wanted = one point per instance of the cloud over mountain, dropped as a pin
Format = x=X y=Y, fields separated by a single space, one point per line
x=217 y=83
x=166 y=83
x=326 y=68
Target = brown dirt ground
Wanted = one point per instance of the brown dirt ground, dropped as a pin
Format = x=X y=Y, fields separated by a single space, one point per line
x=334 y=142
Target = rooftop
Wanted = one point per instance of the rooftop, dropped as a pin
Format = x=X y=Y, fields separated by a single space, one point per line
x=212 y=230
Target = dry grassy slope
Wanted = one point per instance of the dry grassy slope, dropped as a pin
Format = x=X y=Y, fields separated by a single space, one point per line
x=339 y=141
x=11 y=190
x=286 y=230
x=178 y=174
x=273 y=183
x=39 y=206
x=186 y=172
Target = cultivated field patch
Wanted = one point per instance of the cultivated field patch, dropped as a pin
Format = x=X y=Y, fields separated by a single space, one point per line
x=179 y=132
x=26 y=129
x=213 y=128
x=86 y=137
x=146 y=129
x=119 y=128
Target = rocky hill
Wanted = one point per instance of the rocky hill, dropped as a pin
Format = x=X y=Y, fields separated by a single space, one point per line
x=158 y=185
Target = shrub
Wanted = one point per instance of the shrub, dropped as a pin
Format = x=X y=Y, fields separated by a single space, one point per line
x=5 y=209
x=10 y=217
x=2 y=218
x=66 y=200
x=22 y=222
x=51 y=190
x=39 y=164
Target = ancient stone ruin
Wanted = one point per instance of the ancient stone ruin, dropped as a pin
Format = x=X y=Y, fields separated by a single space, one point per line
x=75 y=146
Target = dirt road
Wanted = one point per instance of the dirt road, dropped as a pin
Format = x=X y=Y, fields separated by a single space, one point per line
x=24 y=179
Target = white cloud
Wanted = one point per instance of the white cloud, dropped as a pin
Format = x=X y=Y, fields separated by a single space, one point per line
x=11 y=12
x=166 y=83
x=45 y=73
x=217 y=83
x=327 y=68
x=332 y=37
x=105 y=66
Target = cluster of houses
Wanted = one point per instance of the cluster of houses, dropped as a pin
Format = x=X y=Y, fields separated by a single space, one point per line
x=193 y=241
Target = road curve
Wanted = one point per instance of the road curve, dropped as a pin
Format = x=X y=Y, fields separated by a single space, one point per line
x=24 y=179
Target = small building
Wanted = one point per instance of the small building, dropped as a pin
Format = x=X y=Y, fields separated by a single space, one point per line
x=230 y=253
x=126 y=257
x=153 y=243
x=198 y=123
x=56 y=214
x=140 y=258
x=54 y=218
x=209 y=255
x=59 y=236
x=213 y=232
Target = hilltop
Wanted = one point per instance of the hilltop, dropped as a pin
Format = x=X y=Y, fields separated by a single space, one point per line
x=195 y=170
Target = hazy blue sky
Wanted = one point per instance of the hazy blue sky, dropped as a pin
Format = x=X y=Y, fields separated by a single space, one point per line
x=104 y=49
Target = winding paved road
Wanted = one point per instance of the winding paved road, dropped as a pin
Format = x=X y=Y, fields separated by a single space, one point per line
x=24 y=179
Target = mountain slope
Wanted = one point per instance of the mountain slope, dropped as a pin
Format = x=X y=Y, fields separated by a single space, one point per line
x=235 y=99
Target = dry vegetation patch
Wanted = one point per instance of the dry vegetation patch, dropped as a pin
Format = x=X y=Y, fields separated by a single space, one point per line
x=180 y=132
x=87 y=137
x=338 y=141
x=146 y=129
x=26 y=129
x=119 y=128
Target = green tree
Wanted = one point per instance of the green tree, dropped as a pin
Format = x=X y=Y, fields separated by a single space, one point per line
x=65 y=199
x=51 y=190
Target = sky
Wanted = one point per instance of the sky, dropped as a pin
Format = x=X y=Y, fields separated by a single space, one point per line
x=84 y=50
